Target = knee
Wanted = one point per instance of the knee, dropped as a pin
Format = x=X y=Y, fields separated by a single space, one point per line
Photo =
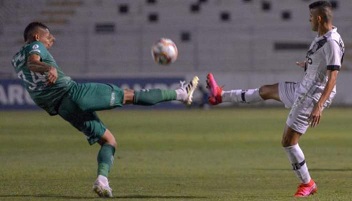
x=264 y=91
x=114 y=144
x=285 y=142
x=269 y=92
x=290 y=137
x=128 y=96
x=108 y=138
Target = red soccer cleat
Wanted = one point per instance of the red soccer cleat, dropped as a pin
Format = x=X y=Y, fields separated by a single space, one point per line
x=305 y=190
x=215 y=91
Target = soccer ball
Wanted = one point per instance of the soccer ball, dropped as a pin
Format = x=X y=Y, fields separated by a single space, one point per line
x=164 y=51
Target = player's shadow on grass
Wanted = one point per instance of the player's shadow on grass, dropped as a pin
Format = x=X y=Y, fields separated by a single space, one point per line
x=311 y=169
x=64 y=197
x=330 y=170
x=160 y=197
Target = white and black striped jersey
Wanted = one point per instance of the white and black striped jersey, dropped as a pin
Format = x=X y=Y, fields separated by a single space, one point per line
x=325 y=53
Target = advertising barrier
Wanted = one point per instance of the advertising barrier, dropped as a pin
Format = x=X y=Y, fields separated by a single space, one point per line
x=13 y=96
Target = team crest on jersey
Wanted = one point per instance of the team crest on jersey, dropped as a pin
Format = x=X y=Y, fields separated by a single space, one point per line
x=35 y=48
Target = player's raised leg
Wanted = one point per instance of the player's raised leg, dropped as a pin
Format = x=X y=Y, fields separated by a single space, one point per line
x=215 y=96
x=154 y=96
x=218 y=95
x=185 y=92
x=98 y=96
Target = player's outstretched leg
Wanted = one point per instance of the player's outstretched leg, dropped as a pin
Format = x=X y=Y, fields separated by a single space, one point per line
x=305 y=190
x=215 y=91
x=102 y=188
x=185 y=92
x=154 y=96
x=218 y=95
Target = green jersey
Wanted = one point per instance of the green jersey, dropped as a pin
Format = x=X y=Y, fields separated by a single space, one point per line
x=45 y=96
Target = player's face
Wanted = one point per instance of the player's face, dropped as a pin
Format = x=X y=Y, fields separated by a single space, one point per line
x=313 y=19
x=46 y=38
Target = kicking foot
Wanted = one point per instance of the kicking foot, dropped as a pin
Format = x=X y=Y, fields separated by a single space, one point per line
x=215 y=91
x=185 y=93
x=305 y=190
x=102 y=188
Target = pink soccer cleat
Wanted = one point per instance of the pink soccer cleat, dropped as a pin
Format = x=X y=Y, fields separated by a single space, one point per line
x=215 y=91
x=305 y=190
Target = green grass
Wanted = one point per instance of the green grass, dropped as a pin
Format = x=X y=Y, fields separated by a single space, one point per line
x=212 y=155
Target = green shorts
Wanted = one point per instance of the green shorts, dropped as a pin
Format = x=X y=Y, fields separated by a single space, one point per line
x=79 y=105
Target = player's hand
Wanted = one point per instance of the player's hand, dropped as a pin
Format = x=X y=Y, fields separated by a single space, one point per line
x=52 y=76
x=314 y=118
x=301 y=64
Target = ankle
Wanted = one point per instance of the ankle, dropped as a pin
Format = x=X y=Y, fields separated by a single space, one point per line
x=102 y=178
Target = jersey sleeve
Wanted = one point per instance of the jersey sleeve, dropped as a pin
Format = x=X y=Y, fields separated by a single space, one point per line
x=37 y=48
x=333 y=55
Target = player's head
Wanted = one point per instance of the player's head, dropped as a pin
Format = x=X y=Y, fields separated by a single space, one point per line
x=37 y=31
x=320 y=13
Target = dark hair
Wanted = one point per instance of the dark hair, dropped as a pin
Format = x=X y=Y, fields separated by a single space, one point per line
x=324 y=8
x=321 y=4
x=31 y=27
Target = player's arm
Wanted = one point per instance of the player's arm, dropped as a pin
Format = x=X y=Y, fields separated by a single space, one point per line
x=34 y=64
x=318 y=107
x=333 y=55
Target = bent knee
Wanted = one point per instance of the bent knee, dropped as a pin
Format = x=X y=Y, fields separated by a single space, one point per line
x=264 y=91
x=287 y=142
x=108 y=138
x=113 y=143
x=290 y=137
x=269 y=92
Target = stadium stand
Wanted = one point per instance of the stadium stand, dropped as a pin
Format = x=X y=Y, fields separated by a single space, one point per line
x=111 y=38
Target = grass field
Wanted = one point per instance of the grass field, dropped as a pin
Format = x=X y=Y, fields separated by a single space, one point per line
x=178 y=155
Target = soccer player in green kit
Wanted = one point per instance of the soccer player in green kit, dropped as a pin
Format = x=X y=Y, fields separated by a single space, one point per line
x=58 y=94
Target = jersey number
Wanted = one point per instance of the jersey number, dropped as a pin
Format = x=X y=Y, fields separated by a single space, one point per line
x=36 y=77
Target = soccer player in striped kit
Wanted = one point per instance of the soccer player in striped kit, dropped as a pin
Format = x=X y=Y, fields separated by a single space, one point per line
x=307 y=98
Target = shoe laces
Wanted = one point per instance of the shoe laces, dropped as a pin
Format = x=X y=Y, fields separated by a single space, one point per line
x=185 y=86
x=182 y=84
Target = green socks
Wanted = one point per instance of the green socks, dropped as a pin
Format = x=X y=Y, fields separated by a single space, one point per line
x=153 y=96
x=105 y=159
